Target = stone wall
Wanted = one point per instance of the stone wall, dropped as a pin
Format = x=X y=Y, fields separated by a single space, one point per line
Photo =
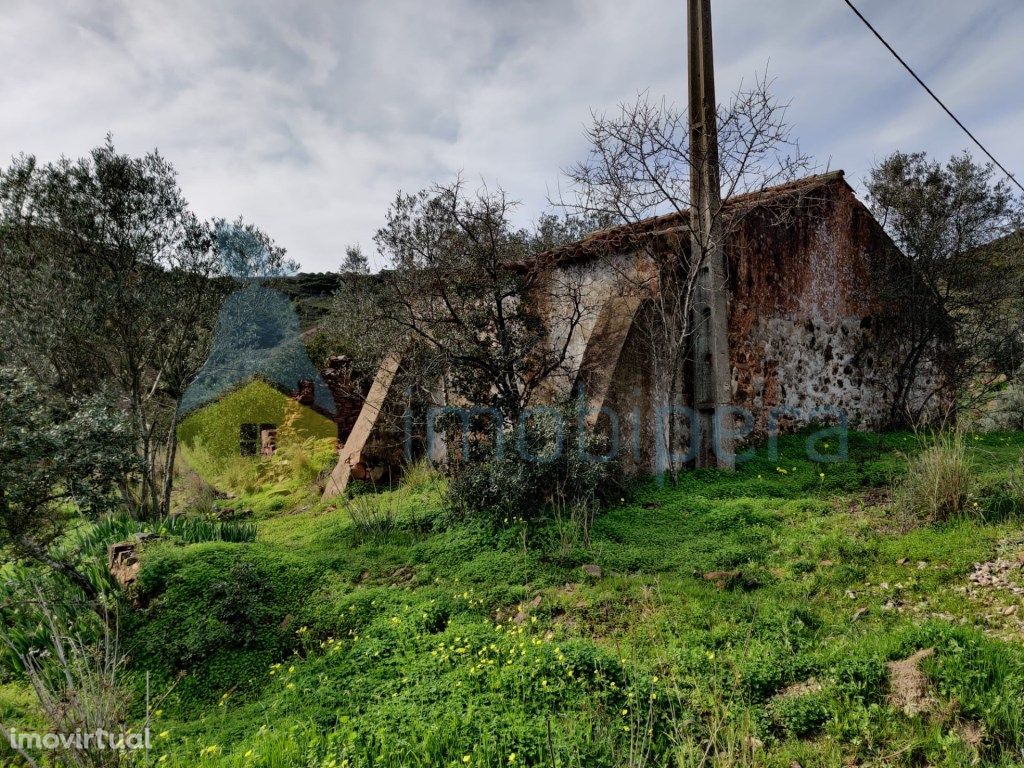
x=802 y=318
x=801 y=311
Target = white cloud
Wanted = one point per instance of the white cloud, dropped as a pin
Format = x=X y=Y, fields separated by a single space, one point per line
x=307 y=117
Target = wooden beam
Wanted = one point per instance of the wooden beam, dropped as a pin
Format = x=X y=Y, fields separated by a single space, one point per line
x=351 y=452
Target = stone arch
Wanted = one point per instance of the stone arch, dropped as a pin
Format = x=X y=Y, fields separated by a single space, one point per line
x=636 y=392
x=604 y=348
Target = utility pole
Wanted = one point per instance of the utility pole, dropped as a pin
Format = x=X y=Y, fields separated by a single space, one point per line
x=712 y=383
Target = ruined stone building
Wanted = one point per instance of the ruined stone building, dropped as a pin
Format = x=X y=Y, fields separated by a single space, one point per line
x=802 y=319
x=802 y=308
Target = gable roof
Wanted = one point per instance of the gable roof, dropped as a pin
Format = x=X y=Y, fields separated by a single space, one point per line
x=257 y=335
x=625 y=236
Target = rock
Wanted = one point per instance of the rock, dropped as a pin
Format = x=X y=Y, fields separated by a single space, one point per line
x=1009 y=610
x=859 y=613
x=594 y=571
x=922 y=564
x=525 y=610
x=123 y=562
x=403 y=575
x=902 y=561
x=825 y=563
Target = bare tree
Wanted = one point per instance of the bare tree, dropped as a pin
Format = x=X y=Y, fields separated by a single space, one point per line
x=640 y=166
x=465 y=289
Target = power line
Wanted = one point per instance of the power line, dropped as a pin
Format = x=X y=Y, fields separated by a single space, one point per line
x=931 y=93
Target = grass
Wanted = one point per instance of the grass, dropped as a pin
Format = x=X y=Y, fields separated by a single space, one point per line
x=939 y=479
x=418 y=643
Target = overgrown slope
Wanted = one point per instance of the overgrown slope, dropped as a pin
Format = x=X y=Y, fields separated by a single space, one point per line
x=745 y=619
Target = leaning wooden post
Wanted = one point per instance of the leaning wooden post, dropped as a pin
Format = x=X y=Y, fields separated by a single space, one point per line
x=350 y=453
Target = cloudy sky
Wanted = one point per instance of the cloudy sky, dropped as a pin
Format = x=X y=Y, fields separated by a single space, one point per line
x=307 y=116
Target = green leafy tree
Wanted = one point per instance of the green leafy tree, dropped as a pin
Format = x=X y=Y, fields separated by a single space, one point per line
x=58 y=461
x=245 y=251
x=355 y=261
x=109 y=282
x=954 y=307
x=465 y=288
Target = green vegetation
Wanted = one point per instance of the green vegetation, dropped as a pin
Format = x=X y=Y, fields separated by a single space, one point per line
x=506 y=484
x=210 y=437
x=939 y=480
x=745 y=619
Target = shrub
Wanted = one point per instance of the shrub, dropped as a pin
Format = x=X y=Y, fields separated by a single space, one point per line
x=1005 y=497
x=222 y=612
x=192 y=494
x=939 y=480
x=572 y=521
x=78 y=684
x=27 y=595
x=239 y=474
x=420 y=477
x=302 y=462
x=533 y=470
x=189 y=530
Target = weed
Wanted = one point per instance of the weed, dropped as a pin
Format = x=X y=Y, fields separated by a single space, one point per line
x=939 y=480
x=421 y=477
x=374 y=516
x=573 y=520
x=319 y=644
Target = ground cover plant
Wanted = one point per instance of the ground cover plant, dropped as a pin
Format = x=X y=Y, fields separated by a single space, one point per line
x=789 y=612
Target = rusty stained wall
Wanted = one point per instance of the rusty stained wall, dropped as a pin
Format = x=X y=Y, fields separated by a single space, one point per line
x=801 y=315
x=801 y=311
x=800 y=326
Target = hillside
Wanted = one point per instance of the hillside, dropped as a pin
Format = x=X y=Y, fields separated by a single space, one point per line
x=784 y=614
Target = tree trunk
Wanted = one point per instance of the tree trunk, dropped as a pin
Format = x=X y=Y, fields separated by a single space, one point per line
x=170 y=454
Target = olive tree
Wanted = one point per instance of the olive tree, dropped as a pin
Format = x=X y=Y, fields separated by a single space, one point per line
x=109 y=281
x=953 y=308
x=467 y=289
x=59 y=460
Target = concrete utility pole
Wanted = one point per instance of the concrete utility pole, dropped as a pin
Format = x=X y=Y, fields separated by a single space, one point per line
x=711 y=371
